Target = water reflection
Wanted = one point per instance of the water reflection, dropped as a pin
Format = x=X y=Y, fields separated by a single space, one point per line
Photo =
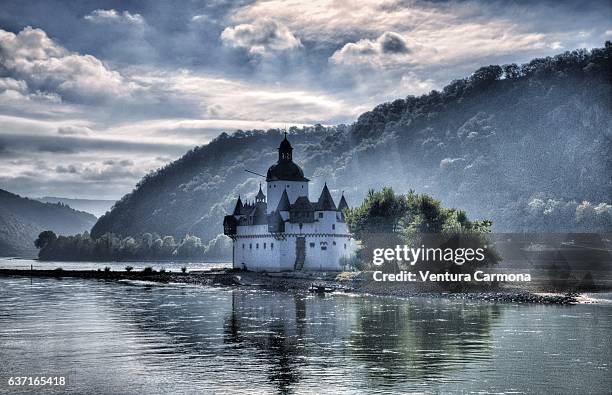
x=406 y=341
x=393 y=340
x=134 y=337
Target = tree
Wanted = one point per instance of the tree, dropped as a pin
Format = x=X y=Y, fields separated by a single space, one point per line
x=376 y=222
x=44 y=239
x=190 y=247
x=385 y=220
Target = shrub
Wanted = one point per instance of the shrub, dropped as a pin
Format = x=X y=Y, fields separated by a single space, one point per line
x=162 y=270
x=184 y=269
x=148 y=270
x=106 y=269
x=128 y=268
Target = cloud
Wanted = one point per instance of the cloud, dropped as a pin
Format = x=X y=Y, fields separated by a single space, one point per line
x=452 y=163
x=387 y=44
x=112 y=16
x=30 y=57
x=56 y=148
x=66 y=169
x=261 y=36
x=111 y=173
x=148 y=81
x=124 y=162
x=73 y=130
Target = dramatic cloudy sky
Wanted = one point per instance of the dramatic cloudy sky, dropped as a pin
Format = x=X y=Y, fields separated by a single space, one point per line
x=93 y=94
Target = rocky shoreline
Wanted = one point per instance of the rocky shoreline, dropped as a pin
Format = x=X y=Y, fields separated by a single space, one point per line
x=313 y=282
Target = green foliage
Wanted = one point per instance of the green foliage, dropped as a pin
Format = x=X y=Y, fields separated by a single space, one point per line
x=380 y=212
x=386 y=219
x=109 y=247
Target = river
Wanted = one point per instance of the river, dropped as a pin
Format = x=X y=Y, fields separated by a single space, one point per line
x=143 y=338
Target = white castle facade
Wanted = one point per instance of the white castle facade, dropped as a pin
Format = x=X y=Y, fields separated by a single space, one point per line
x=285 y=231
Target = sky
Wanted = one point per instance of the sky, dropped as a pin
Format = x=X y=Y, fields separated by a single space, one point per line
x=95 y=94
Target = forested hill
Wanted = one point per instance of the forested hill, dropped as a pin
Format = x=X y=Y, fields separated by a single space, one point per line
x=22 y=219
x=527 y=146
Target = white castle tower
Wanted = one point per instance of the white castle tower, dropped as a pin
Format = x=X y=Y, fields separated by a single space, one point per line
x=287 y=231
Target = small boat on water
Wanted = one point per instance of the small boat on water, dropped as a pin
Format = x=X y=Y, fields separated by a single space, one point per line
x=320 y=288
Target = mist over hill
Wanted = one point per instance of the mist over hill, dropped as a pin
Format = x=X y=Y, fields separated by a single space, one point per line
x=96 y=207
x=526 y=146
x=22 y=219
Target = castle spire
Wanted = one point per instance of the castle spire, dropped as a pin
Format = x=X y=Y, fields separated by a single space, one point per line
x=283 y=203
x=342 y=205
x=238 y=208
x=260 y=198
x=326 y=203
x=285 y=150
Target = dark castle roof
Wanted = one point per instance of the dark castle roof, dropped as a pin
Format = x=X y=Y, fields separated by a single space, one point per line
x=342 y=205
x=283 y=203
x=325 y=203
x=302 y=204
x=285 y=169
x=260 y=195
x=285 y=145
x=238 y=208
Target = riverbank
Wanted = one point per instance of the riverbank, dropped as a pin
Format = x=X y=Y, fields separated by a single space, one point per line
x=316 y=282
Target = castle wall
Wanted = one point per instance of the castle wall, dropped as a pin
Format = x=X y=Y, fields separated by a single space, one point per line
x=325 y=252
x=325 y=239
x=322 y=252
x=275 y=189
x=257 y=253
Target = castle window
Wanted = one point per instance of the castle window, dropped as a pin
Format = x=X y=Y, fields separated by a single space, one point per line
x=243 y=246
x=323 y=248
x=271 y=246
x=250 y=246
x=333 y=226
x=288 y=185
x=320 y=215
x=345 y=246
x=264 y=246
x=257 y=246
x=312 y=244
x=334 y=243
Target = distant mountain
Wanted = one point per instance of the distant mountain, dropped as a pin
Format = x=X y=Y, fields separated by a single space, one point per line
x=95 y=207
x=22 y=219
x=527 y=146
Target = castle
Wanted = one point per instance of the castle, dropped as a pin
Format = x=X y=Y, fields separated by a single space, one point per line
x=284 y=230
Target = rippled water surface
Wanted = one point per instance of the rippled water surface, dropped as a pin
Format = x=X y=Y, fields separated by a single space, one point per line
x=134 y=337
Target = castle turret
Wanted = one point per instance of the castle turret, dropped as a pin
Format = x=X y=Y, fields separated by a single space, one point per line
x=283 y=176
x=260 y=198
